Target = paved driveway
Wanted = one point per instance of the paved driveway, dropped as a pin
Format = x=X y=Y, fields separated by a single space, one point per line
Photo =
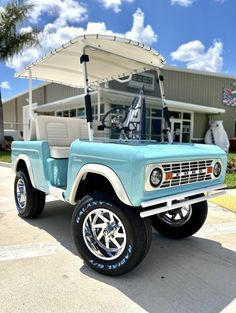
x=40 y=271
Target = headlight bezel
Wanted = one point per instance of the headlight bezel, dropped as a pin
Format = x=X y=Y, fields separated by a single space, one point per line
x=217 y=174
x=149 y=169
x=160 y=177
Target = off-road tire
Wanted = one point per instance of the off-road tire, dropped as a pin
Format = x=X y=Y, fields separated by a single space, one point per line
x=34 y=202
x=138 y=234
x=193 y=224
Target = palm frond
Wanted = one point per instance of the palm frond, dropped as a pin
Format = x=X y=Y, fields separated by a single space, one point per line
x=12 y=41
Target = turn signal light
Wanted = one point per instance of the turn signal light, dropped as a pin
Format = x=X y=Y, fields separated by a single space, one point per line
x=169 y=176
x=209 y=170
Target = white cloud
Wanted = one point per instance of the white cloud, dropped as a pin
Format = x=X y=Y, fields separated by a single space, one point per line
x=5 y=85
x=139 y=32
x=54 y=35
x=114 y=4
x=25 y=30
x=197 y=57
x=65 y=10
x=183 y=3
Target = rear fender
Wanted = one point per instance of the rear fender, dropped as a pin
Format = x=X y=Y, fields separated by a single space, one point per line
x=26 y=159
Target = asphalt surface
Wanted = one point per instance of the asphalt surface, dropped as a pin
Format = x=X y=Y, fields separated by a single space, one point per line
x=41 y=272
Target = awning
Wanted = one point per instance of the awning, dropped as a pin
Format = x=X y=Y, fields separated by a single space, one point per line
x=110 y=57
x=122 y=97
x=193 y=107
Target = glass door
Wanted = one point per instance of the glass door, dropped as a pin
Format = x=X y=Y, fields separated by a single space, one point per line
x=176 y=130
x=186 y=133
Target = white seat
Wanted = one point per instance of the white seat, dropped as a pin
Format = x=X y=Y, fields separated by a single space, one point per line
x=60 y=132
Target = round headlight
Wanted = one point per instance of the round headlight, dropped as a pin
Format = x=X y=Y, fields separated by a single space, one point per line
x=217 y=169
x=156 y=177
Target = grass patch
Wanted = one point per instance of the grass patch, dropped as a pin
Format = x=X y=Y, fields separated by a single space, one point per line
x=5 y=156
x=231 y=155
x=230 y=178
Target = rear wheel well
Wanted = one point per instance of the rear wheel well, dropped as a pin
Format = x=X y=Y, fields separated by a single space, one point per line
x=93 y=182
x=21 y=166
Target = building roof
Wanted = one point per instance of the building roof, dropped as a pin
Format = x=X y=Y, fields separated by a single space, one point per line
x=199 y=72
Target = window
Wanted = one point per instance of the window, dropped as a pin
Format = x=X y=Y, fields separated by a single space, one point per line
x=174 y=114
x=156 y=129
x=156 y=113
x=81 y=112
x=187 y=116
x=102 y=108
x=65 y=113
x=73 y=113
x=186 y=130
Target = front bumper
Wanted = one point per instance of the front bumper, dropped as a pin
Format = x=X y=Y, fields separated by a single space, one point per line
x=165 y=204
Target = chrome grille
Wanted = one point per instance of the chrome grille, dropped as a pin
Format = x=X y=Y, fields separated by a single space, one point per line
x=186 y=172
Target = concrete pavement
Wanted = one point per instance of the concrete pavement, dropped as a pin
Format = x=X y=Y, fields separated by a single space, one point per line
x=41 y=272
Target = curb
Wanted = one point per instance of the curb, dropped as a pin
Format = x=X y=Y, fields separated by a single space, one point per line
x=5 y=164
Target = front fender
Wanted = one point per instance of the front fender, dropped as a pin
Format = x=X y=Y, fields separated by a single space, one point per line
x=105 y=171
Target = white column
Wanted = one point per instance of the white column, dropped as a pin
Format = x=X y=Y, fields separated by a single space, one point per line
x=31 y=114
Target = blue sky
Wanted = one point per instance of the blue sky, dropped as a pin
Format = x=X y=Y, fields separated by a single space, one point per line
x=196 y=34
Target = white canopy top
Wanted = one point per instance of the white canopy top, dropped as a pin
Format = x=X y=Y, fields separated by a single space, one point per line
x=110 y=58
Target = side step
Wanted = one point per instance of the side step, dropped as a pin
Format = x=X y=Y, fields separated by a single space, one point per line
x=57 y=193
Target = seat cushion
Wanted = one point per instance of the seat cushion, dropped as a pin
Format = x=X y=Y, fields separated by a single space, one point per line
x=59 y=152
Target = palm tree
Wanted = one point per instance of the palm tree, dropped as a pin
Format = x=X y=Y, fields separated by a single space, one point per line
x=12 y=40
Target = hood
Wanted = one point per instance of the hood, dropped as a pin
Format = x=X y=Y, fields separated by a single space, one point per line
x=178 y=152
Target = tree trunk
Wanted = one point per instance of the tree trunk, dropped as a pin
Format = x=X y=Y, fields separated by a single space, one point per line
x=2 y=140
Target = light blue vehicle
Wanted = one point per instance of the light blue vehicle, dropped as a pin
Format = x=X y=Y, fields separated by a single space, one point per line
x=121 y=188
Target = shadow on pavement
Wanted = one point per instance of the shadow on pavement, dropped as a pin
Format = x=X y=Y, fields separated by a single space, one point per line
x=191 y=275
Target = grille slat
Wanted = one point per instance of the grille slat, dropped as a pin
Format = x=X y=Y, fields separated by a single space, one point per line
x=186 y=172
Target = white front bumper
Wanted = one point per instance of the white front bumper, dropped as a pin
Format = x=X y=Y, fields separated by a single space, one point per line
x=165 y=204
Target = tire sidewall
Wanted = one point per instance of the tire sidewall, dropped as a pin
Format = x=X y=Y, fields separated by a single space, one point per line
x=35 y=199
x=129 y=256
x=197 y=219
x=25 y=211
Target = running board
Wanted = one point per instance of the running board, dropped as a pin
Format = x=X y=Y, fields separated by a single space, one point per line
x=57 y=193
x=167 y=201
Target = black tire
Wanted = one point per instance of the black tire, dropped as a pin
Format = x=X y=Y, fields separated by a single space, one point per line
x=184 y=227
x=30 y=203
x=134 y=245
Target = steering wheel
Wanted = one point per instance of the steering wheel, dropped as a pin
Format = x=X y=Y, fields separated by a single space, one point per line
x=117 y=120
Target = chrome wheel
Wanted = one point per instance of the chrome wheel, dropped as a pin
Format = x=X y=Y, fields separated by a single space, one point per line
x=21 y=194
x=177 y=217
x=104 y=234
